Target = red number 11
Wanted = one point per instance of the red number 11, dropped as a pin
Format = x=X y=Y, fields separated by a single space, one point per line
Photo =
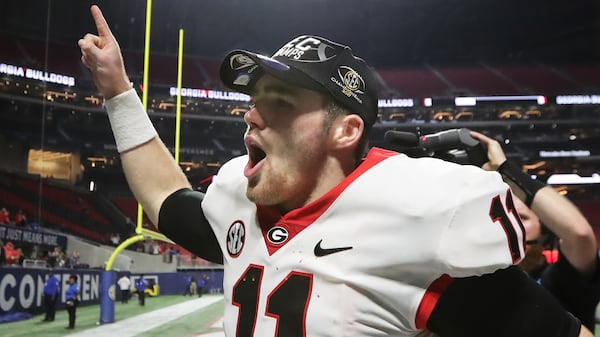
x=498 y=213
x=287 y=303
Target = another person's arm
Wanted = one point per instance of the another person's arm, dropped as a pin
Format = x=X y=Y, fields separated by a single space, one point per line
x=149 y=167
x=506 y=303
x=559 y=214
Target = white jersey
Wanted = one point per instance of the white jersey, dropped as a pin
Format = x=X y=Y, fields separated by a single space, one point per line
x=124 y=283
x=366 y=259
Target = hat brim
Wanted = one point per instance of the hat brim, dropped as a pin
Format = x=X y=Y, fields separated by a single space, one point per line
x=241 y=70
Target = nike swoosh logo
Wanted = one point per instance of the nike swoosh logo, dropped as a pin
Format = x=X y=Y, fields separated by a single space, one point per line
x=320 y=251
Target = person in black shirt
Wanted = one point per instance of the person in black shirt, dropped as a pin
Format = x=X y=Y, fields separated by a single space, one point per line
x=550 y=220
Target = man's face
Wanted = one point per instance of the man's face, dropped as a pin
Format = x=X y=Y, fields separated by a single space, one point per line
x=530 y=220
x=286 y=142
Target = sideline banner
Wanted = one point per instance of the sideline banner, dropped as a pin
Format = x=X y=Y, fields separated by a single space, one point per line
x=19 y=235
x=22 y=289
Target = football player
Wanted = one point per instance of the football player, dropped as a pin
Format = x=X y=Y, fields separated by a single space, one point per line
x=318 y=238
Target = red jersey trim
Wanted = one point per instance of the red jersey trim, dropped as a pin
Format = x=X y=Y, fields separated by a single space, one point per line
x=430 y=299
x=298 y=219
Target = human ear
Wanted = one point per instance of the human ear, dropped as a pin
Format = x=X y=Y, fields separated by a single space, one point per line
x=347 y=131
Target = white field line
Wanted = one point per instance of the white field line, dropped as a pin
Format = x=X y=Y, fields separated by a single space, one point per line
x=135 y=325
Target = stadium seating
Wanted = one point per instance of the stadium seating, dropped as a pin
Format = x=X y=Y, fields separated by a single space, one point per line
x=478 y=81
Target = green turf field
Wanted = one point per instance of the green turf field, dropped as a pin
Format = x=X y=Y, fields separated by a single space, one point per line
x=194 y=323
x=191 y=324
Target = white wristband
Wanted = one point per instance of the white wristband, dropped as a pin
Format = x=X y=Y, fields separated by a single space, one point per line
x=130 y=124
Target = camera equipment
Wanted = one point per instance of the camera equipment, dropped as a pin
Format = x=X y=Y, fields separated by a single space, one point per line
x=455 y=145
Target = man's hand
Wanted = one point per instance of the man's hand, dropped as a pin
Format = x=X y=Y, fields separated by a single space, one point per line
x=495 y=153
x=102 y=55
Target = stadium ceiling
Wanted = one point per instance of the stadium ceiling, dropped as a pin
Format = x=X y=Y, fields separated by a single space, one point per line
x=389 y=33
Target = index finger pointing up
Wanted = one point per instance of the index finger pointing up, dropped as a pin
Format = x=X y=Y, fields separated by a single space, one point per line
x=101 y=24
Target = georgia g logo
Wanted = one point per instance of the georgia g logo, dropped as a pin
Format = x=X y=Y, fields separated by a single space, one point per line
x=277 y=235
x=236 y=236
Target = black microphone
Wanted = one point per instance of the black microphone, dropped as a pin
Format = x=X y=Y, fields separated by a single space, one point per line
x=443 y=140
x=440 y=142
x=406 y=142
x=405 y=139
x=448 y=139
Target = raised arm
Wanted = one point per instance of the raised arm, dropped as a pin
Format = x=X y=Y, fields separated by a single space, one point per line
x=149 y=167
x=559 y=214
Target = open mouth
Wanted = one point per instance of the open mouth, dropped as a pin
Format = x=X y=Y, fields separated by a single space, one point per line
x=256 y=154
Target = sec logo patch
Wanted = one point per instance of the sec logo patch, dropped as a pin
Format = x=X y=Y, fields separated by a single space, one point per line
x=236 y=236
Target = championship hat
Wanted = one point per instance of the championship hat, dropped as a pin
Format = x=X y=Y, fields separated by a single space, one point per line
x=310 y=62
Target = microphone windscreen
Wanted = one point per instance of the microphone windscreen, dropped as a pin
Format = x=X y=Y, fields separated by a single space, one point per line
x=406 y=139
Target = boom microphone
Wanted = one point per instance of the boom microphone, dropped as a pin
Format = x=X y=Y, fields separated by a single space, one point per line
x=405 y=139
x=449 y=139
x=444 y=140
x=446 y=144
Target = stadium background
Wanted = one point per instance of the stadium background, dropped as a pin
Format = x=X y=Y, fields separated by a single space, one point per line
x=533 y=65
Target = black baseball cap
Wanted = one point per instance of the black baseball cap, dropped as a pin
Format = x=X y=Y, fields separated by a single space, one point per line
x=310 y=62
